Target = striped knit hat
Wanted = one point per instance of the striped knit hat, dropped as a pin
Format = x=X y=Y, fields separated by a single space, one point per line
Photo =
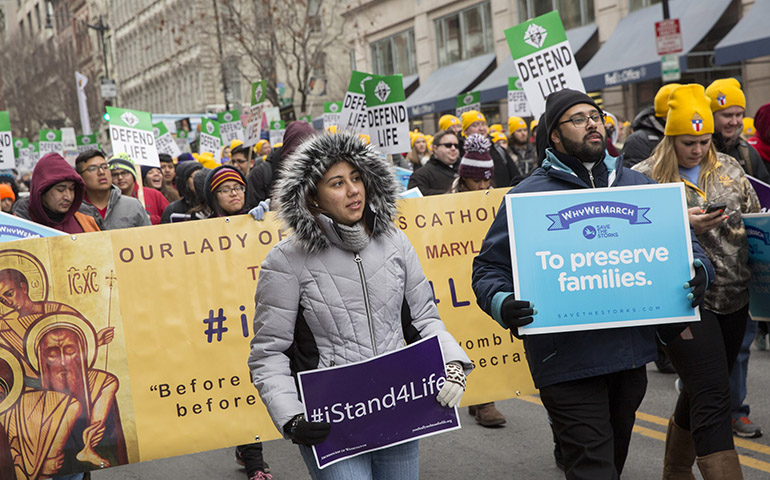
x=477 y=162
x=223 y=175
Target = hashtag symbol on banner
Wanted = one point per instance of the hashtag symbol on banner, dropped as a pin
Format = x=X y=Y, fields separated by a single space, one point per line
x=317 y=415
x=215 y=325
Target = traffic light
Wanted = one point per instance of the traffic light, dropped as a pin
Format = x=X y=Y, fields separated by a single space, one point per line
x=107 y=103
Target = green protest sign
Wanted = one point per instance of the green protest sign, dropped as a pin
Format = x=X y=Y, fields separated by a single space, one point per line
x=467 y=102
x=253 y=130
x=353 y=114
x=332 y=112
x=20 y=145
x=7 y=158
x=258 y=92
x=230 y=127
x=50 y=141
x=543 y=59
x=386 y=116
x=164 y=142
x=210 y=141
x=277 y=129
x=517 y=99
x=306 y=118
x=131 y=133
x=86 y=142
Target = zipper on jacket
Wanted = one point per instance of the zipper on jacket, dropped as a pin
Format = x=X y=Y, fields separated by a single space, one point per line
x=366 y=301
x=591 y=177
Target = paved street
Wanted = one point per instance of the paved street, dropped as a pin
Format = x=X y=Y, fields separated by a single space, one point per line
x=520 y=450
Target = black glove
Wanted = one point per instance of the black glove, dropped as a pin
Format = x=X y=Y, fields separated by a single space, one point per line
x=699 y=283
x=302 y=432
x=516 y=313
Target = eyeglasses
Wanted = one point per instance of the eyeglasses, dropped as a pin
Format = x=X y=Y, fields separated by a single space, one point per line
x=227 y=190
x=449 y=145
x=119 y=173
x=581 y=121
x=93 y=168
x=239 y=161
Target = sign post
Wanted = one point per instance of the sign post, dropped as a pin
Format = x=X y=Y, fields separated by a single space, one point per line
x=668 y=41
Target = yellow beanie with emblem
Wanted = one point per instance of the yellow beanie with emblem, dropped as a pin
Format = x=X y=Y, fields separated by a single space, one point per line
x=533 y=124
x=661 y=99
x=447 y=121
x=724 y=93
x=414 y=136
x=748 y=127
x=496 y=127
x=689 y=111
x=516 y=123
x=471 y=117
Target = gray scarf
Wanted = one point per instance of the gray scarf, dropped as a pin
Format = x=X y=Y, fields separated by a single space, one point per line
x=354 y=237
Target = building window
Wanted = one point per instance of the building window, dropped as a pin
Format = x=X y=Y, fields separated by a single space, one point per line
x=394 y=55
x=465 y=34
x=640 y=4
x=573 y=13
x=37 y=16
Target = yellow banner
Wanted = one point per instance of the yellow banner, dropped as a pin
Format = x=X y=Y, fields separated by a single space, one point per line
x=131 y=345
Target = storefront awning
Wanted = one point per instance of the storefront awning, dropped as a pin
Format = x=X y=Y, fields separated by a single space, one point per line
x=439 y=91
x=630 y=54
x=749 y=38
x=495 y=86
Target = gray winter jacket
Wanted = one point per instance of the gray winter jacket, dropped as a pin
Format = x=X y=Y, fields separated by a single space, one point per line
x=311 y=303
x=124 y=212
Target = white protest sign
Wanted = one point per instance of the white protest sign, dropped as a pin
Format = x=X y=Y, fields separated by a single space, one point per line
x=209 y=139
x=332 y=111
x=164 y=142
x=517 y=99
x=353 y=115
x=230 y=127
x=253 y=132
x=50 y=142
x=543 y=58
x=131 y=133
x=387 y=119
x=7 y=159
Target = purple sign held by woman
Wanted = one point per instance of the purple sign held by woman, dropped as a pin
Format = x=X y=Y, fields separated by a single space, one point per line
x=377 y=403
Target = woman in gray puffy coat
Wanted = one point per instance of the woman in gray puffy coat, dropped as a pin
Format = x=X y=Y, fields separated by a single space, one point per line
x=335 y=291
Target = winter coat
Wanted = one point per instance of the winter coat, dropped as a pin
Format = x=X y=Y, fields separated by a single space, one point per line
x=433 y=178
x=726 y=245
x=50 y=170
x=183 y=172
x=124 y=212
x=648 y=132
x=746 y=156
x=312 y=308
x=560 y=357
x=506 y=174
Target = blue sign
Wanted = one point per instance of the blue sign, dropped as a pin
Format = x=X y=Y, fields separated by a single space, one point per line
x=758 y=233
x=15 y=228
x=378 y=403
x=602 y=258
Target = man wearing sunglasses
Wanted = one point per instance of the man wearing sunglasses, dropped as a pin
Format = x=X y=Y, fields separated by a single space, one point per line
x=437 y=175
x=591 y=382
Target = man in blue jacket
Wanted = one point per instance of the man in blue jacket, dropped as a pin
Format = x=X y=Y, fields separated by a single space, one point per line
x=591 y=382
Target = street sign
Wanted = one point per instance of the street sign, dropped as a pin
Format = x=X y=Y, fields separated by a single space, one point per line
x=109 y=89
x=669 y=68
x=668 y=36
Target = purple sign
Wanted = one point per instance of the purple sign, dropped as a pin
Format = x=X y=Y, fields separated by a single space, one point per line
x=763 y=192
x=585 y=211
x=378 y=403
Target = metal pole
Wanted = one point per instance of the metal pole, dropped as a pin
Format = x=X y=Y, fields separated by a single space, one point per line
x=221 y=58
x=102 y=29
x=666 y=13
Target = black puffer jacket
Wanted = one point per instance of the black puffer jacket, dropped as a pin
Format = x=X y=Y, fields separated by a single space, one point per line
x=189 y=199
x=648 y=132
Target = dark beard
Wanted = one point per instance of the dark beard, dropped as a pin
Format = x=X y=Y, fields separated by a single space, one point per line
x=582 y=150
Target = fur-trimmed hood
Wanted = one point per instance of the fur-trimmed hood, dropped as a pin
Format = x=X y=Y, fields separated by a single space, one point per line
x=302 y=171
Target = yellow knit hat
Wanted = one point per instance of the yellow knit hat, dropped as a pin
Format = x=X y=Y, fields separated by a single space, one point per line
x=470 y=117
x=689 y=111
x=235 y=143
x=207 y=160
x=496 y=128
x=447 y=121
x=533 y=125
x=608 y=119
x=516 y=123
x=661 y=99
x=429 y=141
x=414 y=136
x=748 y=126
x=497 y=136
x=724 y=93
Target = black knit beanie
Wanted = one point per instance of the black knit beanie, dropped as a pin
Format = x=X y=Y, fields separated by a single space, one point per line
x=559 y=102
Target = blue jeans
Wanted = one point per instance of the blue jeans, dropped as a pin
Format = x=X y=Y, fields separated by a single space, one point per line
x=740 y=373
x=400 y=461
